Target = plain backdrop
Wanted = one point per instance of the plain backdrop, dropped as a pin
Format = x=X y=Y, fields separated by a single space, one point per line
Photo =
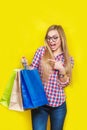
x=23 y=25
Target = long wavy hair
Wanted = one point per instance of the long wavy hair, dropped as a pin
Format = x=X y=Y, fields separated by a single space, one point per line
x=47 y=67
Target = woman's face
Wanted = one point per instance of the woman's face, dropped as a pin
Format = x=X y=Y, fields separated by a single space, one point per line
x=53 y=40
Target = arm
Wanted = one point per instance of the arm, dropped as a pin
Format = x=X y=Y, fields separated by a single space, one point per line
x=35 y=61
x=37 y=58
x=64 y=79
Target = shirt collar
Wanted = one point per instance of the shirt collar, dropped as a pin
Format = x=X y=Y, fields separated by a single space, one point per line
x=61 y=53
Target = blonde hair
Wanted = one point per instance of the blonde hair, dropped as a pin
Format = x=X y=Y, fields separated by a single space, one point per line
x=47 y=66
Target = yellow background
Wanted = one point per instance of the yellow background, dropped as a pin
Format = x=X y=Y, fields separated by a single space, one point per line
x=23 y=26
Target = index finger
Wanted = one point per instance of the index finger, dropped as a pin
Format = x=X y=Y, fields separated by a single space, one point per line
x=51 y=60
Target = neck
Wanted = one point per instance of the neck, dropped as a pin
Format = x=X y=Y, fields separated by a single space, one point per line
x=58 y=51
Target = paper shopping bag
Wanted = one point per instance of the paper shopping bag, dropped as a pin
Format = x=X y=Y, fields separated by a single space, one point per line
x=16 y=97
x=5 y=99
x=32 y=89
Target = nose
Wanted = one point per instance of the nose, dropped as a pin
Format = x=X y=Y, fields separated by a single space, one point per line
x=51 y=40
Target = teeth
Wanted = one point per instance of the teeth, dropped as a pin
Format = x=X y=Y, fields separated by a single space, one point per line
x=53 y=45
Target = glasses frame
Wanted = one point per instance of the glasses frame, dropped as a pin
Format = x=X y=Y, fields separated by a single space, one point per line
x=54 y=38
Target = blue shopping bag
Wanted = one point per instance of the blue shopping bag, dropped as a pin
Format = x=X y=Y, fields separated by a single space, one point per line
x=33 y=94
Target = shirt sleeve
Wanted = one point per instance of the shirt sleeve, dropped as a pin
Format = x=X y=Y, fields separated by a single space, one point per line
x=36 y=58
x=64 y=84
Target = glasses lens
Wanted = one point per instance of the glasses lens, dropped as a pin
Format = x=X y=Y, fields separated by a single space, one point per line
x=54 y=38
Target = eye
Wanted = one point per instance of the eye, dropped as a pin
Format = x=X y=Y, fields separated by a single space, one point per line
x=48 y=38
x=55 y=37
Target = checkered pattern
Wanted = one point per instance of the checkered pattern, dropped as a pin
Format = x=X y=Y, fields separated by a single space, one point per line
x=54 y=87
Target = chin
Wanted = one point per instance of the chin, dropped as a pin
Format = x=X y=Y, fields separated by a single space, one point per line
x=54 y=49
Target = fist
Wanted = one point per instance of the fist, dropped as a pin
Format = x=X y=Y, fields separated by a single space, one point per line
x=24 y=61
x=58 y=65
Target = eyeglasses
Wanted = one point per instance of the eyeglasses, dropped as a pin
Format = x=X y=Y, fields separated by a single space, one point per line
x=54 y=38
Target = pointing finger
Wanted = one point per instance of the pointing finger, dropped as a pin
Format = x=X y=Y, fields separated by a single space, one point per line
x=52 y=60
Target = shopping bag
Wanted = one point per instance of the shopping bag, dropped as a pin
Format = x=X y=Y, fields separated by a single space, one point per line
x=16 y=97
x=5 y=99
x=33 y=94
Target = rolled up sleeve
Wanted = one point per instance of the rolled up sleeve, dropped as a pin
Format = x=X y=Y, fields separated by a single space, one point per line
x=64 y=84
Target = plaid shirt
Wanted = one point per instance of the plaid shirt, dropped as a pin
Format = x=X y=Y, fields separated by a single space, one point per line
x=54 y=87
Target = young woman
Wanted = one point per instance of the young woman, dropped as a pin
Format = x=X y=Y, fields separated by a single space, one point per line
x=55 y=67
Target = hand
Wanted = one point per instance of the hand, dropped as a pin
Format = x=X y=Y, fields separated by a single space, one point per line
x=24 y=62
x=58 y=65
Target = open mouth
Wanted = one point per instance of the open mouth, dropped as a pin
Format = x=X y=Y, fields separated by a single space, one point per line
x=52 y=45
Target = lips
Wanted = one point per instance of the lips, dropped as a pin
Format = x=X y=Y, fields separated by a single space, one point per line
x=52 y=45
